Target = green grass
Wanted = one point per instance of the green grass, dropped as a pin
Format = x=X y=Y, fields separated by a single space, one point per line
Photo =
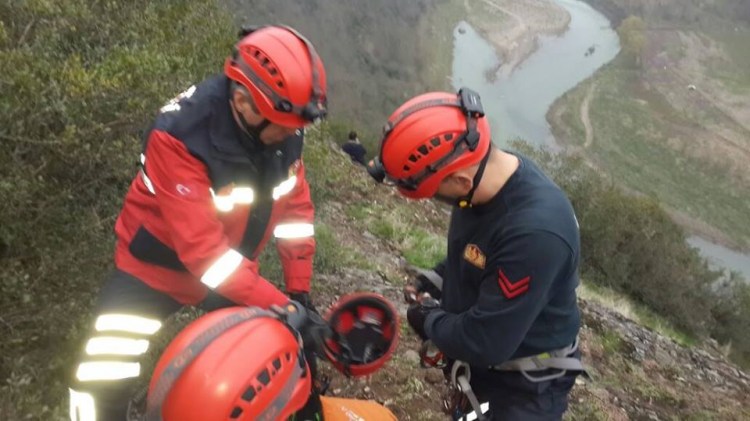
x=611 y=342
x=573 y=132
x=634 y=311
x=735 y=73
x=585 y=410
x=436 y=41
x=399 y=226
x=631 y=130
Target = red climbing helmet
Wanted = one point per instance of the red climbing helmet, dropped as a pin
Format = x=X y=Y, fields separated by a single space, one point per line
x=429 y=137
x=282 y=71
x=234 y=364
x=365 y=333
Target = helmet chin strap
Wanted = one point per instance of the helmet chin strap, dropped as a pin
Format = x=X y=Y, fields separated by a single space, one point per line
x=253 y=132
x=465 y=202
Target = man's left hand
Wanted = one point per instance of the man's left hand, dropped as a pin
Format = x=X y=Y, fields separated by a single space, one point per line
x=417 y=314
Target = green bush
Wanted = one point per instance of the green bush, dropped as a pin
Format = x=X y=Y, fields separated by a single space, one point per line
x=731 y=311
x=629 y=244
x=80 y=80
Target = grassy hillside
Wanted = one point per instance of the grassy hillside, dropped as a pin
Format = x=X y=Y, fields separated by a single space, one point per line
x=670 y=119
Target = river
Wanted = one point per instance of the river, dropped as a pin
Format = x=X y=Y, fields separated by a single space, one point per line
x=517 y=104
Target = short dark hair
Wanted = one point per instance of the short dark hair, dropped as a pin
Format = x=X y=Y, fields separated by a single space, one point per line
x=352 y=135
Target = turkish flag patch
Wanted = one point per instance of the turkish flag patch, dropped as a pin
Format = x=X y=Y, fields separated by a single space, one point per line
x=513 y=289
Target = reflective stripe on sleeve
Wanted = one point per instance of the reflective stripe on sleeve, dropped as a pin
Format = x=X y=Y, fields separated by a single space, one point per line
x=284 y=187
x=298 y=230
x=146 y=180
x=222 y=268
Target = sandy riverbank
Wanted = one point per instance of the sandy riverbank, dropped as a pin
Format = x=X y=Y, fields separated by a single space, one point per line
x=513 y=26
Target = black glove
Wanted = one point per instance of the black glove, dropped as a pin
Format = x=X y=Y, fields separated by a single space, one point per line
x=313 y=330
x=417 y=315
x=304 y=299
x=418 y=286
x=311 y=326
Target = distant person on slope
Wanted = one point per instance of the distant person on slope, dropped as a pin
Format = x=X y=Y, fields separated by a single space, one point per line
x=507 y=308
x=354 y=148
x=221 y=172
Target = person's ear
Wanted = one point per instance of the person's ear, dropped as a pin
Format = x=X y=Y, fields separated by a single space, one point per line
x=243 y=102
x=240 y=101
x=460 y=180
x=464 y=181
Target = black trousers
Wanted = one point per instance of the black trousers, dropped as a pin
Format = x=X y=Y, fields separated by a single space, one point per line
x=511 y=396
x=128 y=314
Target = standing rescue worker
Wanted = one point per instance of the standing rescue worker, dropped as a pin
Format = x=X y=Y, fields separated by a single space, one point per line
x=507 y=319
x=221 y=172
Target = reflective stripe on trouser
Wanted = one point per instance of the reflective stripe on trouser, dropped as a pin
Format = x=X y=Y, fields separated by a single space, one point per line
x=294 y=230
x=129 y=313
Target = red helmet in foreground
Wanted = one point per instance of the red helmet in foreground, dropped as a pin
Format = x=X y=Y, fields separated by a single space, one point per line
x=254 y=371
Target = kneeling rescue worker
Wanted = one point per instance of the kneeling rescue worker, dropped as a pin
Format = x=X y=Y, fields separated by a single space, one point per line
x=220 y=172
x=507 y=320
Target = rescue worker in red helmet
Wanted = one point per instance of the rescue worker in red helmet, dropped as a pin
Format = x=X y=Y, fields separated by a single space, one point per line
x=220 y=173
x=507 y=320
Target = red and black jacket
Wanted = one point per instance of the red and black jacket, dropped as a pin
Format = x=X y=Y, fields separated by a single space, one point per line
x=206 y=201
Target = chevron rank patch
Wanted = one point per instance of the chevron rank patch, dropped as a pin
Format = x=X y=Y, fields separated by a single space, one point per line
x=512 y=289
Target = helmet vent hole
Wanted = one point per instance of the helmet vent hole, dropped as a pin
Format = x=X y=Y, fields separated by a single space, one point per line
x=236 y=412
x=273 y=71
x=264 y=377
x=413 y=158
x=288 y=356
x=423 y=149
x=249 y=394
x=435 y=141
x=277 y=364
x=280 y=84
x=406 y=168
x=448 y=137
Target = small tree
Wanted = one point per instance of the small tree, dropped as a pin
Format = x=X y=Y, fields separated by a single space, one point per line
x=633 y=37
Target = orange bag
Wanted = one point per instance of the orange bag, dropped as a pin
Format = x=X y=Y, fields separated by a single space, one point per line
x=340 y=409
